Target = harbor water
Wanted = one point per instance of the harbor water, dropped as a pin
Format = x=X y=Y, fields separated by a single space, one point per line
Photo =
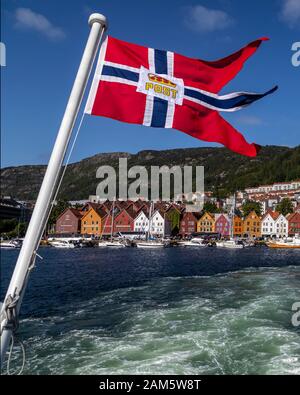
x=166 y=311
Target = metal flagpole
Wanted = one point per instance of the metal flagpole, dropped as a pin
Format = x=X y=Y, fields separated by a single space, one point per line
x=26 y=259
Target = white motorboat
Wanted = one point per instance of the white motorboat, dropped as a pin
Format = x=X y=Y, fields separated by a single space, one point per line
x=10 y=244
x=196 y=242
x=62 y=244
x=150 y=244
x=111 y=244
x=231 y=244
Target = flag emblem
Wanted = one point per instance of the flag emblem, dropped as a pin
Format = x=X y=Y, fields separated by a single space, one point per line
x=164 y=89
x=163 y=86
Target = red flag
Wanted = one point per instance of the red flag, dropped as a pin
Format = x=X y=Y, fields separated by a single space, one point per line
x=159 y=88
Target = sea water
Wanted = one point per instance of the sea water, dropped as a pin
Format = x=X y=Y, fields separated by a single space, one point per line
x=169 y=311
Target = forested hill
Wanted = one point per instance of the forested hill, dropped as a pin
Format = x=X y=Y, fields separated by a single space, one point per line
x=224 y=171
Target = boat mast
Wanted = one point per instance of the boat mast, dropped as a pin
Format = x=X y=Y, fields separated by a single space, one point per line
x=112 y=220
x=232 y=217
x=26 y=260
x=150 y=221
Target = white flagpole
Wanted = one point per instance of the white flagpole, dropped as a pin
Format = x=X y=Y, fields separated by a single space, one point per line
x=26 y=259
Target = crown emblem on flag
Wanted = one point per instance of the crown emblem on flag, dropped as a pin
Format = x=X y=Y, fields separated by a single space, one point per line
x=160 y=80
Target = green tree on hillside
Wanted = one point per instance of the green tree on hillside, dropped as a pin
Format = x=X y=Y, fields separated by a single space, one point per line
x=210 y=207
x=285 y=207
x=58 y=209
x=249 y=206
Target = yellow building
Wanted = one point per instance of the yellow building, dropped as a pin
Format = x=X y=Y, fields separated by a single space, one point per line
x=91 y=222
x=237 y=226
x=251 y=225
x=206 y=224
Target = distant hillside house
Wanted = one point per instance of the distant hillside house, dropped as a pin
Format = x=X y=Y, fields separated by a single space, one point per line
x=69 y=222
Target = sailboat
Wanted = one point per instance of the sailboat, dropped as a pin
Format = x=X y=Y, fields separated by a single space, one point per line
x=150 y=242
x=231 y=243
x=111 y=243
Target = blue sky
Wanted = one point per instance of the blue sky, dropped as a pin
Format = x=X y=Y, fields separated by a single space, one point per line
x=44 y=42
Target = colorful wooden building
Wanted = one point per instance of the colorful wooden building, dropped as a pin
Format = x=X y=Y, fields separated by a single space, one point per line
x=91 y=222
x=222 y=224
x=294 y=223
x=237 y=226
x=252 y=225
x=206 y=224
x=124 y=220
x=69 y=222
x=188 y=223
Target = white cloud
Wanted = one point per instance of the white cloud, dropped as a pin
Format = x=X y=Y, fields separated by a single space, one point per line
x=250 y=120
x=206 y=20
x=28 y=19
x=290 y=12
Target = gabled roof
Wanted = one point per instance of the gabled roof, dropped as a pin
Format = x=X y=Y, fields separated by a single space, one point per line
x=101 y=212
x=253 y=212
x=293 y=217
x=76 y=212
x=141 y=211
x=273 y=214
x=157 y=210
x=209 y=214
x=195 y=214
x=129 y=211
x=219 y=215
x=98 y=210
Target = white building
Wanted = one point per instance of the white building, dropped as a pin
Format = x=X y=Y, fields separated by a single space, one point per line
x=157 y=223
x=274 y=224
x=268 y=223
x=281 y=226
x=141 y=222
x=278 y=186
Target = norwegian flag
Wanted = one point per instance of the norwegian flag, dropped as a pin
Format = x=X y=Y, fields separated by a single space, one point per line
x=157 y=88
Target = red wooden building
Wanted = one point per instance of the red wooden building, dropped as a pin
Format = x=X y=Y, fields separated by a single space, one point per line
x=294 y=223
x=222 y=225
x=188 y=223
x=124 y=220
x=69 y=221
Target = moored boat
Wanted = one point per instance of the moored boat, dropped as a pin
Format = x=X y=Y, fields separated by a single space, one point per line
x=111 y=244
x=195 y=242
x=150 y=244
x=230 y=244
x=10 y=244
x=63 y=244
x=293 y=242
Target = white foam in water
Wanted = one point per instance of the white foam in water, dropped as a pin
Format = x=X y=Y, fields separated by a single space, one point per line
x=237 y=323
